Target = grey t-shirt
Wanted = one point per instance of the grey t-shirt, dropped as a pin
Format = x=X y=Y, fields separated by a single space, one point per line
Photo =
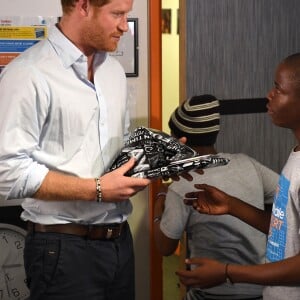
x=224 y=238
x=284 y=238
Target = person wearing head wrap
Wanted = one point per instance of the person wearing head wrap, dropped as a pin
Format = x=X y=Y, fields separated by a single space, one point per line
x=220 y=237
x=197 y=119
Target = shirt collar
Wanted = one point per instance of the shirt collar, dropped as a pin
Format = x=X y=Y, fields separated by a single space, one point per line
x=64 y=48
x=67 y=51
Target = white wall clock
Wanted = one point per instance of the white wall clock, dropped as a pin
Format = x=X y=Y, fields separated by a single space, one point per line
x=12 y=273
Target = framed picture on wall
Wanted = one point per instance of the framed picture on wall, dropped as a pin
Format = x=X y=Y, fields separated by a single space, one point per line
x=127 y=51
x=166 y=18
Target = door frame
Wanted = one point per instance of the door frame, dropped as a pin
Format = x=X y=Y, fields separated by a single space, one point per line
x=155 y=120
x=155 y=107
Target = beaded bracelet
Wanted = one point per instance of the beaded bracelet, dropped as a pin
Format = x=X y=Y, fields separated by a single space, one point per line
x=161 y=194
x=98 y=190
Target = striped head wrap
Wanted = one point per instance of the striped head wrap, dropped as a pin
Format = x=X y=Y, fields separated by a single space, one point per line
x=198 y=119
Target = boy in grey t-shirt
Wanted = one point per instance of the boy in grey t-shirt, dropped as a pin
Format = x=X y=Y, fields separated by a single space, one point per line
x=225 y=238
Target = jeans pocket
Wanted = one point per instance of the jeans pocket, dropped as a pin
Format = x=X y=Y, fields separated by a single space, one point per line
x=41 y=258
x=51 y=259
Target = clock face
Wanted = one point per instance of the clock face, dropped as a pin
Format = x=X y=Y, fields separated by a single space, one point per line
x=12 y=273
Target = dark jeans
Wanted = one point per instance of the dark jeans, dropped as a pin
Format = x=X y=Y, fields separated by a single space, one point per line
x=67 y=267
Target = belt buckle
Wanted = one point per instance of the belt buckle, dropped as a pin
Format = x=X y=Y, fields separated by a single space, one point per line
x=109 y=233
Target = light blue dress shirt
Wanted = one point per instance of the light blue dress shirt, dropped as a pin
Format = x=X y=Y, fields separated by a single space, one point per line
x=53 y=118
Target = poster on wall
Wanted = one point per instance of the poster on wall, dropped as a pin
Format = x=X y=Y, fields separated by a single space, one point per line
x=19 y=33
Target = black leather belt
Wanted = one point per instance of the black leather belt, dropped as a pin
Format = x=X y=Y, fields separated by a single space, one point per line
x=92 y=232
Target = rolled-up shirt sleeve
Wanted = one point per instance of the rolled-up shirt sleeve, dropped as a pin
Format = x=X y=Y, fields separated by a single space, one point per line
x=29 y=182
x=21 y=117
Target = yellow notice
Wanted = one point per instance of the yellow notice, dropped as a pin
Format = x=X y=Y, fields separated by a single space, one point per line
x=23 y=32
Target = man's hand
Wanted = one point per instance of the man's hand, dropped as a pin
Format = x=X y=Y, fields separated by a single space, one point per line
x=117 y=187
x=208 y=273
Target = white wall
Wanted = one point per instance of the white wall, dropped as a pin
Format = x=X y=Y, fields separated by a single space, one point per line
x=30 y=7
x=170 y=65
x=138 y=93
x=170 y=100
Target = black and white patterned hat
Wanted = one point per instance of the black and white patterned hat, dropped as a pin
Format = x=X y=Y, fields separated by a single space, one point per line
x=198 y=119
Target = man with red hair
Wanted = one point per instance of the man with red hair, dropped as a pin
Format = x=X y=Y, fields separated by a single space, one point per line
x=63 y=120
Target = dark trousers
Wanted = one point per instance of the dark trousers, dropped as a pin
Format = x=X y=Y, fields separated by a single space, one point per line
x=68 y=267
